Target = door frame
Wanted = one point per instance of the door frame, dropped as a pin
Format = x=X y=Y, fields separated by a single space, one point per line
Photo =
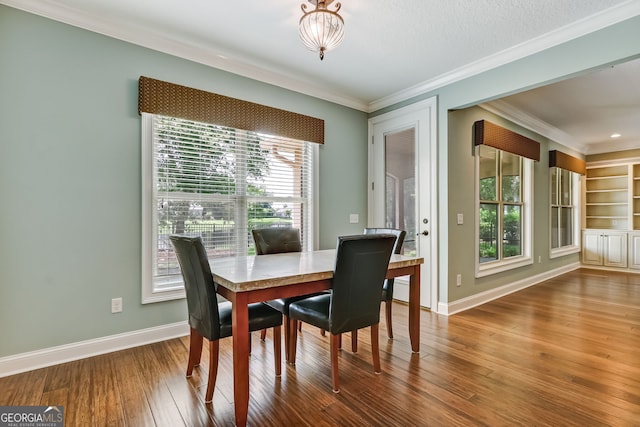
x=427 y=140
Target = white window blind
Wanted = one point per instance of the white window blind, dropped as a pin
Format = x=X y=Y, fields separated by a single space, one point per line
x=218 y=183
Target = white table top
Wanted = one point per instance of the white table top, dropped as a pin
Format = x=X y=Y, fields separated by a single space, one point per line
x=246 y=273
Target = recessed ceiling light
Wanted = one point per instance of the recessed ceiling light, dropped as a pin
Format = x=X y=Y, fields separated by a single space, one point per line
x=615 y=135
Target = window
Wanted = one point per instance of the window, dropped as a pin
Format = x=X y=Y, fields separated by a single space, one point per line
x=504 y=210
x=564 y=211
x=217 y=182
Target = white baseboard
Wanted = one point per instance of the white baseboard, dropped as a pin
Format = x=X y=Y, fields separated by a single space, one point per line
x=492 y=294
x=24 y=362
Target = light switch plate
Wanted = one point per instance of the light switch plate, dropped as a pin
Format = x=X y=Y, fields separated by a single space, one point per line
x=116 y=305
x=460 y=219
x=354 y=218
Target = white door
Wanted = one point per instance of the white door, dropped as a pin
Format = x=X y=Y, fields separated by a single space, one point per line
x=403 y=188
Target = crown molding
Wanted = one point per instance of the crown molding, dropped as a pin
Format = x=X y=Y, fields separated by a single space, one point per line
x=196 y=53
x=205 y=56
x=561 y=35
x=504 y=109
x=611 y=146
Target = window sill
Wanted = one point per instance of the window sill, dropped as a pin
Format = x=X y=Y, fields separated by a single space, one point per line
x=169 y=290
x=495 y=267
x=560 y=252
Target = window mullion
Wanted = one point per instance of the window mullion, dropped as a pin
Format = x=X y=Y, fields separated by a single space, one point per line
x=500 y=213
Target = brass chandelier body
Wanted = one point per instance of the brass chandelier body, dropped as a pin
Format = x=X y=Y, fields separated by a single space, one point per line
x=321 y=29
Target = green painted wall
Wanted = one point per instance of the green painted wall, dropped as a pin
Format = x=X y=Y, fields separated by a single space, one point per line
x=456 y=243
x=70 y=177
x=462 y=256
x=70 y=171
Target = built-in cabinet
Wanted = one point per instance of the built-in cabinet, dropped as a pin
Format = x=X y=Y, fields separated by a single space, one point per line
x=634 y=250
x=605 y=248
x=611 y=215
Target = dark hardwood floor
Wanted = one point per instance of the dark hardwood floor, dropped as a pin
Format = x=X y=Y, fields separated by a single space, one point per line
x=565 y=352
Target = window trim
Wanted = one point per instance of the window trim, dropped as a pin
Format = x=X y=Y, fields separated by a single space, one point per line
x=576 y=203
x=149 y=293
x=498 y=266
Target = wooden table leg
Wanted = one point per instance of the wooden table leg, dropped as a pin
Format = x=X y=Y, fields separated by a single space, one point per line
x=414 y=309
x=240 y=319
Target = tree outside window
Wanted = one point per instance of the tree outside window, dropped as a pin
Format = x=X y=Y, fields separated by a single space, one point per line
x=500 y=205
x=218 y=183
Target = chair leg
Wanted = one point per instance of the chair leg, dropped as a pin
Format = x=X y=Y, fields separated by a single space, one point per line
x=340 y=341
x=387 y=309
x=277 y=349
x=287 y=336
x=375 y=348
x=334 y=343
x=293 y=343
x=299 y=326
x=354 y=341
x=322 y=332
x=195 y=351
x=263 y=334
x=214 y=349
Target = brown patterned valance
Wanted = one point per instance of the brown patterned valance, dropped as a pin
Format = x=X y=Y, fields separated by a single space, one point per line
x=495 y=136
x=169 y=99
x=562 y=160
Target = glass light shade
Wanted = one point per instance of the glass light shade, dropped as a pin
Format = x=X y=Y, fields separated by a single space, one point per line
x=321 y=29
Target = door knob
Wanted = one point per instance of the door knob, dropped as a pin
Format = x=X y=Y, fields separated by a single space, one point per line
x=425 y=233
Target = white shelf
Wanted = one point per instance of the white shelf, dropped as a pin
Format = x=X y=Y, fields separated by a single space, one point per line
x=608 y=204
x=612 y=195
x=596 y=178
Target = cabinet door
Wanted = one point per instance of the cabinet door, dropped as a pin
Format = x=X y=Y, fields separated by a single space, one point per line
x=615 y=249
x=634 y=250
x=592 y=248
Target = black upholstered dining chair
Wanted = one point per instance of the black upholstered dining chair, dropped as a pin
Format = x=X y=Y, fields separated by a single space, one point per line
x=276 y=241
x=387 y=287
x=354 y=301
x=210 y=319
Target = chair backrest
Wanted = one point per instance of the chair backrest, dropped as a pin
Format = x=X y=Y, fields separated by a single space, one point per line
x=202 y=304
x=400 y=235
x=361 y=265
x=276 y=240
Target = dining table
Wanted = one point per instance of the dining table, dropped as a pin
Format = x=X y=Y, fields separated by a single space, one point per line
x=247 y=279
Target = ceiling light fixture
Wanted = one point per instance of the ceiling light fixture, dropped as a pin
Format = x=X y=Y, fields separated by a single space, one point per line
x=321 y=29
x=615 y=135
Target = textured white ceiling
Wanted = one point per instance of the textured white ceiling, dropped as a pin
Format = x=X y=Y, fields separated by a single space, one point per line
x=392 y=49
x=583 y=112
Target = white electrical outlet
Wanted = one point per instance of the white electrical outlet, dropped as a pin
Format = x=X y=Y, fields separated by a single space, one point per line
x=116 y=305
x=460 y=219
x=459 y=280
x=354 y=218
